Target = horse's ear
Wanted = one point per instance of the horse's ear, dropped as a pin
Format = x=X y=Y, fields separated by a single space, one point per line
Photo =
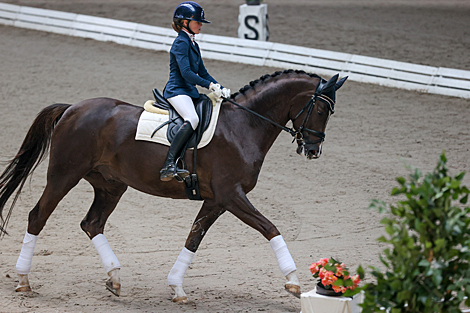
x=330 y=84
x=340 y=83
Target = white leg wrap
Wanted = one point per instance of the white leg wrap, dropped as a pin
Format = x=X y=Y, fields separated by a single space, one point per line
x=109 y=259
x=175 y=278
x=23 y=265
x=284 y=259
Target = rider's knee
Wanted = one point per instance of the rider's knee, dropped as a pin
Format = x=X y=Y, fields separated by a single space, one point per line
x=194 y=121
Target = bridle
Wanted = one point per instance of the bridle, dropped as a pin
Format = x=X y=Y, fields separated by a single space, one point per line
x=297 y=133
x=309 y=108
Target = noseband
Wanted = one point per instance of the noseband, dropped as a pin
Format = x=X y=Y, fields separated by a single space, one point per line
x=297 y=133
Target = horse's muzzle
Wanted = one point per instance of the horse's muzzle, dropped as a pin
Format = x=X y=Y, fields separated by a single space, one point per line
x=311 y=151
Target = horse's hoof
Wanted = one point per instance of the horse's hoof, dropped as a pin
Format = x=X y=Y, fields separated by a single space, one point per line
x=115 y=288
x=180 y=295
x=183 y=299
x=23 y=283
x=23 y=288
x=293 y=290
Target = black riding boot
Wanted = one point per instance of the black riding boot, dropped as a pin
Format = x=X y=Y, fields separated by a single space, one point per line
x=169 y=169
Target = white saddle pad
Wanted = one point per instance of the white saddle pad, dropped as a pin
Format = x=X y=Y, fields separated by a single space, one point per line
x=149 y=121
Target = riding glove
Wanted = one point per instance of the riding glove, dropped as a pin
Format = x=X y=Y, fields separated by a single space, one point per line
x=215 y=88
x=225 y=92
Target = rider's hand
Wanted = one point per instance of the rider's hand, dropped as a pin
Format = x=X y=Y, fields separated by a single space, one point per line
x=225 y=92
x=215 y=88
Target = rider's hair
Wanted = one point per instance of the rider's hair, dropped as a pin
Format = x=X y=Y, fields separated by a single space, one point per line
x=177 y=24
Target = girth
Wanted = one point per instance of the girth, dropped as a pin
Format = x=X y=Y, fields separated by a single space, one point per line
x=203 y=108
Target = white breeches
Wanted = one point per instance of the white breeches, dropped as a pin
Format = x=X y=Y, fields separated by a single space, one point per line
x=176 y=275
x=284 y=259
x=184 y=105
x=109 y=259
x=23 y=265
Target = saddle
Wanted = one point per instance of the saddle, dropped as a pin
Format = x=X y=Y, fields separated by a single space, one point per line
x=203 y=109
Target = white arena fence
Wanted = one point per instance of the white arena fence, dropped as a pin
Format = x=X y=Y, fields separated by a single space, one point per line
x=436 y=80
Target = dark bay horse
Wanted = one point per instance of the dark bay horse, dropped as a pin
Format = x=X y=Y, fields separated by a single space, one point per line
x=94 y=140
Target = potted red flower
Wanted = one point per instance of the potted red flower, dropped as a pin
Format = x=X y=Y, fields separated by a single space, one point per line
x=334 y=277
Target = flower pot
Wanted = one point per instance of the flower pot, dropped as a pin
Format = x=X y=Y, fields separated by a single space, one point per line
x=253 y=2
x=321 y=290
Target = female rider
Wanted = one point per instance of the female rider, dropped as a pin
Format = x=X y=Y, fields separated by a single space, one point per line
x=186 y=71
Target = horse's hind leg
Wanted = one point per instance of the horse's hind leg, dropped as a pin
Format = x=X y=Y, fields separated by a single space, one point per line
x=241 y=207
x=57 y=187
x=208 y=214
x=107 y=195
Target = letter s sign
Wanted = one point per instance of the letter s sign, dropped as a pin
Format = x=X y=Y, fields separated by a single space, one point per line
x=255 y=18
x=253 y=22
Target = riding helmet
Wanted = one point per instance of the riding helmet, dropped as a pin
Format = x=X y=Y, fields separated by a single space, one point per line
x=190 y=10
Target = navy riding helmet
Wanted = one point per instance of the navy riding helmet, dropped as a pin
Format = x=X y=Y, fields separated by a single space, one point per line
x=190 y=10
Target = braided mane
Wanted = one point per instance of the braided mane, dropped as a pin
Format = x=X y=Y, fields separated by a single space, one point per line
x=267 y=76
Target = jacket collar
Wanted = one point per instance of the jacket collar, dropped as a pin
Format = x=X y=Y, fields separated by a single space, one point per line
x=190 y=36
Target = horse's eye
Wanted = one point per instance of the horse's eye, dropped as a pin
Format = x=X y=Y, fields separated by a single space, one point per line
x=320 y=113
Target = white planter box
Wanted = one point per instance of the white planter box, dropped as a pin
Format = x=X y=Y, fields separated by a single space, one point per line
x=311 y=302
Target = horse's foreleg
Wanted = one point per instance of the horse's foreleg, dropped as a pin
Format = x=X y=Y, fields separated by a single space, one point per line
x=247 y=213
x=107 y=195
x=204 y=220
x=176 y=275
x=286 y=265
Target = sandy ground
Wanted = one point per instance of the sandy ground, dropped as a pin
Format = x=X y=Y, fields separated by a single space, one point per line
x=319 y=206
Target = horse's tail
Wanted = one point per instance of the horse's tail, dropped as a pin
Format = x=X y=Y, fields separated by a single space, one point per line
x=30 y=155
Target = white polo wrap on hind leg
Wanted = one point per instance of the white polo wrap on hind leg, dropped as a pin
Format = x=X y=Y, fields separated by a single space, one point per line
x=23 y=265
x=284 y=259
x=109 y=259
x=175 y=278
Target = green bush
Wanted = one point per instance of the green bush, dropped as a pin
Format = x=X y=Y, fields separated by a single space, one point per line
x=428 y=235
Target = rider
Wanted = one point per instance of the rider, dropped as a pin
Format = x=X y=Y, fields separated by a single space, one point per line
x=186 y=71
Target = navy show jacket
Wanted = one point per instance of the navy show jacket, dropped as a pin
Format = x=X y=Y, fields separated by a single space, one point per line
x=186 y=68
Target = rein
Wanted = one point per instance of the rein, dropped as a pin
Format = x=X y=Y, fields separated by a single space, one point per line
x=291 y=131
x=296 y=133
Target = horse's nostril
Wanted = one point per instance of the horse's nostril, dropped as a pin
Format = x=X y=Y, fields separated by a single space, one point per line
x=313 y=154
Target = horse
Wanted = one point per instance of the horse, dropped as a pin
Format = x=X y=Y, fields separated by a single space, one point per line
x=95 y=140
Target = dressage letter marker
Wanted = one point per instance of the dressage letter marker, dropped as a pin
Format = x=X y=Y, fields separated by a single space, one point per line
x=253 y=22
